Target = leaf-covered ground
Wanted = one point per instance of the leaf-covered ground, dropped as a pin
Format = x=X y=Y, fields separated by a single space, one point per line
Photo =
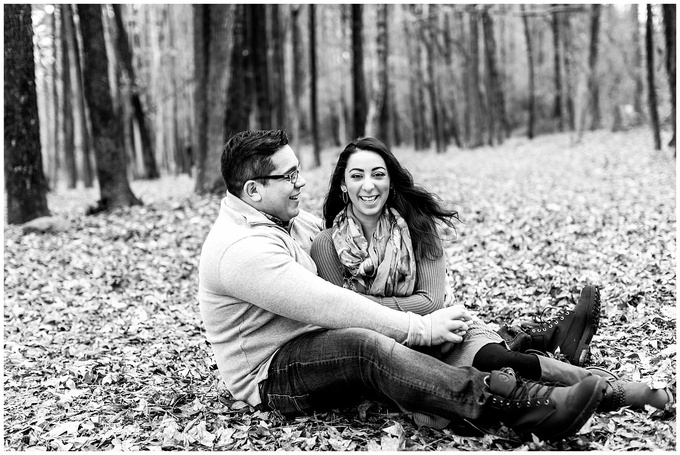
x=104 y=346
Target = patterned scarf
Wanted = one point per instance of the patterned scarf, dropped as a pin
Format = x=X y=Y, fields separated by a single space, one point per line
x=384 y=268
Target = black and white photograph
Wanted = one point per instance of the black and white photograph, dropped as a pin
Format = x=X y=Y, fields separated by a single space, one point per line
x=339 y=227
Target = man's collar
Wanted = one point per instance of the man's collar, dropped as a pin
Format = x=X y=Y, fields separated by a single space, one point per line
x=252 y=215
x=277 y=221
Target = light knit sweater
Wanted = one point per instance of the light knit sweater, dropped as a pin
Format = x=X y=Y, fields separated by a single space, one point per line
x=258 y=289
x=429 y=292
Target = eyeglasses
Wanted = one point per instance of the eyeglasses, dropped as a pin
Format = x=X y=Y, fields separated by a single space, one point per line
x=291 y=176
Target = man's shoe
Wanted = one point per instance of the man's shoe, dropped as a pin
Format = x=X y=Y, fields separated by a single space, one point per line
x=548 y=411
x=570 y=331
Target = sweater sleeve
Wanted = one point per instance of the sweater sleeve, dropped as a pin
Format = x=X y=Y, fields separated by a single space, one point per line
x=428 y=295
x=326 y=258
x=261 y=271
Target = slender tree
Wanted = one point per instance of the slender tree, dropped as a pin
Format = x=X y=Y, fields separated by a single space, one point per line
x=201 y=59
x=496 y=95
x=569 y=71
x=106 y=124
x=451 y=106
x=593 y=80
x=428 y=39
x=52 y=143
x=532 y=83
x=81 y=131
x=219 y=42
x=239 y=95
x=297 y=80
x=474 y=86
x=125 y=57
x=638 y=94
x=66 y=104
x=381 y=92
x=651 y=85
x=258 y=44
x=669 y=29
x=278 y=79
x=416 y=76
x=359 y=84
x=316 y=147
x=25 y=183
x=557 y=59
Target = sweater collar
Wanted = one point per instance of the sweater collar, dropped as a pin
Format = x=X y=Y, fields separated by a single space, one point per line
x=253 y=216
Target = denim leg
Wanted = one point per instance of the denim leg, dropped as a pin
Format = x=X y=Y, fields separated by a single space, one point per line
x=329 y=369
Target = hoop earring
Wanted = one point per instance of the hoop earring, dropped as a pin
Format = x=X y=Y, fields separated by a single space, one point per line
x=345 y=197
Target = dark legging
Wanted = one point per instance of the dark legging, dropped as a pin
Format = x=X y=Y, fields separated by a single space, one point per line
x=495 y=356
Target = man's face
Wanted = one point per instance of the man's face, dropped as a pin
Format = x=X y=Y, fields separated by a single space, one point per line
x=280 y=198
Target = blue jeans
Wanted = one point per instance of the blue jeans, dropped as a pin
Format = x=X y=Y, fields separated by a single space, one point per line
x=328 y=369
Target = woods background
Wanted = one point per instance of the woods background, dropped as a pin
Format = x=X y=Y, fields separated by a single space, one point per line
x=183 y=78
x=514 y=113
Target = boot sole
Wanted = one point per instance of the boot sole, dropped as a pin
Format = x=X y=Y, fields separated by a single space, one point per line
x=592 y=405
x=582 y=352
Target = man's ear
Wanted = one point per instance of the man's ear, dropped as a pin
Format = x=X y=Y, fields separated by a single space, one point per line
x=250 y=189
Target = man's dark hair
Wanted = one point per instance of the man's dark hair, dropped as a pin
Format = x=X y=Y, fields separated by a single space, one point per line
x=248 y=154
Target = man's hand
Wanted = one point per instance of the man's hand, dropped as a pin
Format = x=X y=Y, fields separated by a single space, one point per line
x=449 y=324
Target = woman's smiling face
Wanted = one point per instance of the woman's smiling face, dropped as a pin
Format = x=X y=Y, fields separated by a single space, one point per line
x=367 y=183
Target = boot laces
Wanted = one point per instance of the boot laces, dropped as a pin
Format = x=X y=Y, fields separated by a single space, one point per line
x=552 y=321
x=525 y=391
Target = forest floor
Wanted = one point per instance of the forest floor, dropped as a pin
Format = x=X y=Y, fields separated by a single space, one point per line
x=104 y=347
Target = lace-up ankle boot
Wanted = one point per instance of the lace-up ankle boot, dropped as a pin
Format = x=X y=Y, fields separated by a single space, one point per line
x=569 y=331
x=546 y=410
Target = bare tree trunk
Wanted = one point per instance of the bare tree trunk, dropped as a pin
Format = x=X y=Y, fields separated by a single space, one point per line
x=66 y=95
x=80 y=130
x=219 y=80
x=451 y=114
x=496 y=96
x=475 y=105
x=593 y=83
x=431 y=83
x=59 y=120
x=106 y=127
x=345 y=112
x=297 y=80
x=569 y=71
x=557 y=40
x=638 y=102
x=258 y=44
x=51 y=147
x=313 y=87
x=125 y=57
x=278 y=68
x=239 y=95
x=201 y=59
x=651 y=86
x=379 y=124
x=417 y=97
x=530 y=62
x=157 y=79
x=25 y=183
x=467 y=81
x=359 y=84
x=669 y=29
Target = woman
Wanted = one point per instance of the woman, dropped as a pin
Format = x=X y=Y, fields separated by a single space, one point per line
x=371 y=212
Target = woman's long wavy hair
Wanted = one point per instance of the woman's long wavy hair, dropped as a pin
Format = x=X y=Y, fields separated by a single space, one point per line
x=420 y=208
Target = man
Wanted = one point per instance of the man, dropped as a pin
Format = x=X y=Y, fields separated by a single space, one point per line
x=289 y=341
